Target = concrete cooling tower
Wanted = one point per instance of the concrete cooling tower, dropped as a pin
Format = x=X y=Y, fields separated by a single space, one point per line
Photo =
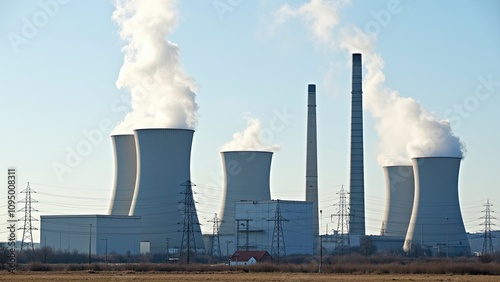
x=163 y=164
x=400 y=188
x=436 y=221
x=125 y=173
x=246 y=178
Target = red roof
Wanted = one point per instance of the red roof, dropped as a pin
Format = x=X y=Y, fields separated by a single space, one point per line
x=247 y=255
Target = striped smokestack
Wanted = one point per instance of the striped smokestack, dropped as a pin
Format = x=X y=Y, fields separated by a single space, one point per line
x=312 y=161
x=357 y=183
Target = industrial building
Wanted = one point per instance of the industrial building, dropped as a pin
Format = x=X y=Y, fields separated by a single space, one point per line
x=257 y=226
x=103 y=234
x=436 y=221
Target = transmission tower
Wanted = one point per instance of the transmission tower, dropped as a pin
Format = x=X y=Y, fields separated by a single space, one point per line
x=278 y=245
x=215 y=249
x=342 y=241
x=28 y=219
x=487 y=243
x=188 y=245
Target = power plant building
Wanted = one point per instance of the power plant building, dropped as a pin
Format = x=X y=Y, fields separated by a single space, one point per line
x=256 y=229
x=436 y=221
x=103 y=233
x=246 y=178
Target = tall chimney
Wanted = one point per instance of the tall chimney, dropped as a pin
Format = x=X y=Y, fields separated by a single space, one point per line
x=312 y=162
x=357 y=183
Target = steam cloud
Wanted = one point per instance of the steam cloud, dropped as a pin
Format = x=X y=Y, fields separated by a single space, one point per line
x=250 y=139
x=161 y=93
x=405 y=128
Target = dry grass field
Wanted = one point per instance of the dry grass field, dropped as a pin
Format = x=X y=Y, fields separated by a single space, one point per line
x=54 y=276
x=352 y=268
x=229 y=276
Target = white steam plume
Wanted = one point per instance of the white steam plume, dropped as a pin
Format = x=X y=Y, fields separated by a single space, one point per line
x=321 y=16
x=162 y=95
x=250 y=139
x=405 y=128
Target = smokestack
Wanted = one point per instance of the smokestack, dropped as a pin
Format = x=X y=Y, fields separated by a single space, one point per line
x=163 y=164
x=357 y=182
x=246 y=178
x=125 y=172
x=312 y=161
x=436 y=220
x=400 y=188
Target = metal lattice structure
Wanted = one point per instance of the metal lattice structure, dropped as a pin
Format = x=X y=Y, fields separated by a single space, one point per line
x=342 y=241
x=28 y=218
x=487 y=242
x=278 y=248
x=215 y=250
x=188 y=244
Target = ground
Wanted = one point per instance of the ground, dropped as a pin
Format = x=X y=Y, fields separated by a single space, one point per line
x=229 y=276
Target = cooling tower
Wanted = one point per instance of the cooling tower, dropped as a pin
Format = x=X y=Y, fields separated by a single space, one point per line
x=246 y=177
x=163 y=164
x=436 y=221
x=357 y=183
x=399 y=183
x=125 y=173
x=312 y=160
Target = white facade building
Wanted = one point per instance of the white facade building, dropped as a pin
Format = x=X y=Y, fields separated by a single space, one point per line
x=117 y=234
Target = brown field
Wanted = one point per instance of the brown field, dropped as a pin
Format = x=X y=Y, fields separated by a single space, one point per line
x=229 y=276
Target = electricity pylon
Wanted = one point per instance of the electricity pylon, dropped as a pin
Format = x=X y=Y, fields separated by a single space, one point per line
x=188 y=244
x=278 y=248
x=28 y=219
x=487 y=243
x=215 y=250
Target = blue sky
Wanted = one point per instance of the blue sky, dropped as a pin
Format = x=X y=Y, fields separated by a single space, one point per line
x=58 y=88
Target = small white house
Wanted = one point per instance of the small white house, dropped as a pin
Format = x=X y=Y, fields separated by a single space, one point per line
x=249 y=257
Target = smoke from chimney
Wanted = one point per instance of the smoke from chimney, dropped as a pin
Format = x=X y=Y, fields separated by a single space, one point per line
x=162 y=95
x=405 y=128
x=250 y=139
